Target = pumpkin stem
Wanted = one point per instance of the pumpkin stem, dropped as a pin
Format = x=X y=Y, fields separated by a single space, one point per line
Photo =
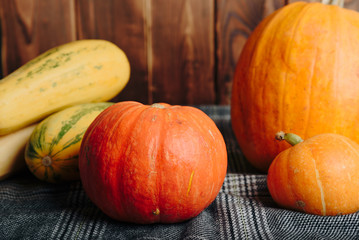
x=339 y=3
x=291 y=138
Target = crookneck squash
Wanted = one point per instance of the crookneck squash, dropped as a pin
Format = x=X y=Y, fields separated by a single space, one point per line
x=52 y=151
x=298 y=71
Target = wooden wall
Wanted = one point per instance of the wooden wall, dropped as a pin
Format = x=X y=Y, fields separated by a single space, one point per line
x=181 y=51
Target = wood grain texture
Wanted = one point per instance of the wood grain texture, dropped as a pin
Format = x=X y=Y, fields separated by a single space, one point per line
x=30 y=27
x=236 y=19
x=348 y=4
x=351 y=4
x=183 y=51
x=123 y=23
x=167 y=43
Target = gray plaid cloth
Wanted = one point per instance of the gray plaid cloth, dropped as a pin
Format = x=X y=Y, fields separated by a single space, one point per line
x=243 y=209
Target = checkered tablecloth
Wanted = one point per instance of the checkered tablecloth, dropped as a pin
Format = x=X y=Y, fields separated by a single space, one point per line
x=31 y=209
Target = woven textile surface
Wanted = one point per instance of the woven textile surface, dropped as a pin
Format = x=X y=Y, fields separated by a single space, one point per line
x=31 y=209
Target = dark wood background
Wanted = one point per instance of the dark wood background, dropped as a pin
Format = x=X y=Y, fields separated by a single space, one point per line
x=180 y=51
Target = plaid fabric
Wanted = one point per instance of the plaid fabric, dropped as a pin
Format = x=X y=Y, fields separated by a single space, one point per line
x=31 y=209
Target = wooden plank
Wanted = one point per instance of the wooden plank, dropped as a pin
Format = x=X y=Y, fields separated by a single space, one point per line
x=122 y=22
x=236 y=19
x=352 y=4
x=30 y=27
x=182 y=51
x=348 y=4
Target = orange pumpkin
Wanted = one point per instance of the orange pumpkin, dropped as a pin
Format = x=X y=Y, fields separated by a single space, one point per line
x=157 y=163
x=299 y=71
x=318 y=176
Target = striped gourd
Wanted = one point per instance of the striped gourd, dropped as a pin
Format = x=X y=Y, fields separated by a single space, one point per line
x=78 y=72
x=52 y=151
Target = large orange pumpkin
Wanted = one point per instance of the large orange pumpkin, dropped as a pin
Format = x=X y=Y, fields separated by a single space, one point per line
x=318 y=176
x=299 y=71
x=157 y=163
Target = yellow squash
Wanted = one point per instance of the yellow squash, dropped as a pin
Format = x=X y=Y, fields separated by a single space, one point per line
x=12 y=148
x=77 y=72
x=52 y=151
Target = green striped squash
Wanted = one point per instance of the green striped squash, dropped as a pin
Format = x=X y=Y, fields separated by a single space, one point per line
x=52 y=151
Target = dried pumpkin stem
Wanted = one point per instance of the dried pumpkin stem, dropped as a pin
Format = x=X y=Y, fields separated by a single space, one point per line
x=339 y=3
x=291 y=138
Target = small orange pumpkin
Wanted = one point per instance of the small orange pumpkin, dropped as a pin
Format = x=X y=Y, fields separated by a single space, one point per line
x=318 y=176
x=299 y=72
x=152 y=163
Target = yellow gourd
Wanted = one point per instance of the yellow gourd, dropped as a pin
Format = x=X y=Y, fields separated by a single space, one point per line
x=12 y=148
x=77 y=72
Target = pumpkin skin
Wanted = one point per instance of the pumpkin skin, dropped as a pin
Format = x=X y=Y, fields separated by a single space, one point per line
x=152 y=163
x=299 y=72
x=318 y=176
